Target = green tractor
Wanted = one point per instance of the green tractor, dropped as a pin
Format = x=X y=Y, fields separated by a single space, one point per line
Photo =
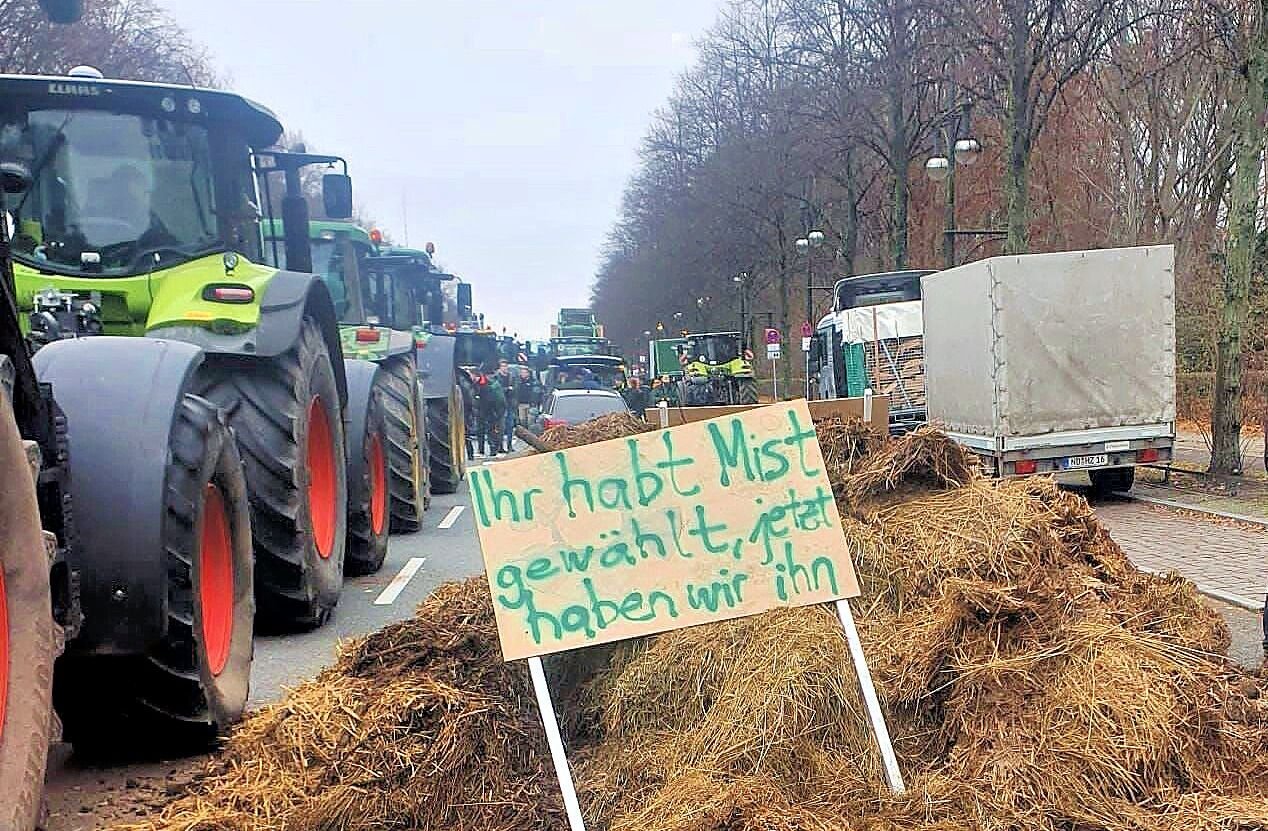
x=716 y=370
x=200 y=395
x=388 y=466
x=576 y=323
x=414 y=293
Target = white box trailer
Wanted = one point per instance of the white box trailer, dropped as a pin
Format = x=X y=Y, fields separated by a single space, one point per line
x=1046 y=363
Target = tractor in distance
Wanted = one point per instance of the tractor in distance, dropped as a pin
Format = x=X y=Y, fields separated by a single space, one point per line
x=716 y=370
x=413 y=293
x=388 y=468
x=576 y=322
x=187 y=403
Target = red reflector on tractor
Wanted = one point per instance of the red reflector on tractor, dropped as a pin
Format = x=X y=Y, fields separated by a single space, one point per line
x=368 y=335
x=229 y=294
x=1025 y=466
x=1147 y=454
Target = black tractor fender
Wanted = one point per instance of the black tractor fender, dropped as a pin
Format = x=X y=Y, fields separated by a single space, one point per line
x=361 y=375
x=436 y=366
x=119 y=396
x=289 y=297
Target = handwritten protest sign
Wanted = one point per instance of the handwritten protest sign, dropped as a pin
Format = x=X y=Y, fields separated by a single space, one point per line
x=708 y=521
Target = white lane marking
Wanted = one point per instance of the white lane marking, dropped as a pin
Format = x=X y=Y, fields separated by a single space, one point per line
x=402 y=578
x=452 y=516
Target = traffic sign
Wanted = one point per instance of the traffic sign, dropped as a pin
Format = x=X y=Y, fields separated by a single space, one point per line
x=806 y=330
x=772 y=336
x=805 y=344
x=772 y=351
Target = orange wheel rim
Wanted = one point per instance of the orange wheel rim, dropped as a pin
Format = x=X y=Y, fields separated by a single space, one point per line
x=321 y=478
x=378 y=484
x=4 y=651
x=215 y=580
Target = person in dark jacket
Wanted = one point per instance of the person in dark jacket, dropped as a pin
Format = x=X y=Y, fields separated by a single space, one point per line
x=511 y=410
x=636 y=397
x=491 y=398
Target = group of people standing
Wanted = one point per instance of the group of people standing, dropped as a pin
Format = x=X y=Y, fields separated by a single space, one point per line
x=497 y=400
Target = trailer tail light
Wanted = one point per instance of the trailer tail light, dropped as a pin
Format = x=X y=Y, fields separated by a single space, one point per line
x=229 y=294
x=555 y=422
x=1147 y=454
x=368 y=335
x=1025 y=466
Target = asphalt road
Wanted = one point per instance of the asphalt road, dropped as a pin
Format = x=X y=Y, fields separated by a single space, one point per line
x=368 y=603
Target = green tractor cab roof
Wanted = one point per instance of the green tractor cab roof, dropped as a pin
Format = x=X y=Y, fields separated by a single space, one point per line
x=414 y=253
x=260 y=126
x=319 y=229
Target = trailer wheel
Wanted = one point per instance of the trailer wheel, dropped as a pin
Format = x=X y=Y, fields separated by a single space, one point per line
x=447 y=435
x=193 y=683
x=369 y=493
x=1112 y=480
x=410 y=477
x=747 y=391
x=27 y=643
x=286 y=416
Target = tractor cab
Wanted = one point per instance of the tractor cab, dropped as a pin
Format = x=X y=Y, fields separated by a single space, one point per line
x=340 y=251
x=121 y=186
x=717 y=370
x=715 y=352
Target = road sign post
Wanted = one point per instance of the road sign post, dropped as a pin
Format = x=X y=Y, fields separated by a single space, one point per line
x=772 y=354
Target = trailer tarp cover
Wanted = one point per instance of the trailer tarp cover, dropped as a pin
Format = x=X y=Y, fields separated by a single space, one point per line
x=1042 y=343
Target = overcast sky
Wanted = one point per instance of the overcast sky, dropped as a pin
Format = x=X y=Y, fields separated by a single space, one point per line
x=506 y=128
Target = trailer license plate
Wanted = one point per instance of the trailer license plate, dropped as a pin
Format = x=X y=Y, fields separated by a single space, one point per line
x=1081 y=462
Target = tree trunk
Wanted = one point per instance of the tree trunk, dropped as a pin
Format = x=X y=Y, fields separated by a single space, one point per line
x=1017 y=174
x=899 y=161
x=1248 y=141
x=850 y=236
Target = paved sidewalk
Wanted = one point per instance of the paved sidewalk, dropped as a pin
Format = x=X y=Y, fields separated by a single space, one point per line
x=1221 y=557
x=1195 y=448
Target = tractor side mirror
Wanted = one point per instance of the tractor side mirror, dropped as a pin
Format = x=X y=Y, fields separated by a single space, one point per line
x=336 y=195
x=14 y=178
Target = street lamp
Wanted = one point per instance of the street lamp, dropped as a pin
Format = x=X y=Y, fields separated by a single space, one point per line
x=740 y=280
x=960 y=150
x=806 y=245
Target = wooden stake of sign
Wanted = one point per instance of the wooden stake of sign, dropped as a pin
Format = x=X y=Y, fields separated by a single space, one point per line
x=893 y=776
x=557 y=754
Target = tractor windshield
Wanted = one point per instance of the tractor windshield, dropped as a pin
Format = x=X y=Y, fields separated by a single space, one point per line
x=108 y=193
x=714 y=349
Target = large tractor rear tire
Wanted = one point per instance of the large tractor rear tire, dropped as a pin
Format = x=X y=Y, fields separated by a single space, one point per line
x=27 y=643
x=746 y=391
x=368 y=491
x=447 y=435
x=193 y=683
x=407 y=446
x=286 y=415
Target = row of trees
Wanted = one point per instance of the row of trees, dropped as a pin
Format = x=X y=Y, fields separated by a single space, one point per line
x=1101 y=122
x=123 y=38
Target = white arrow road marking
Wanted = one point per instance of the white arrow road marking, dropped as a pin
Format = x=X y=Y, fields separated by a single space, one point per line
x=402 y=578
x=452 y=516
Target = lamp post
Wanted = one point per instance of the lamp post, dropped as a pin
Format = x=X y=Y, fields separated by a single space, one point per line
x=960 y=149
x=806 y=245
x=701 y=302
x=740 y=280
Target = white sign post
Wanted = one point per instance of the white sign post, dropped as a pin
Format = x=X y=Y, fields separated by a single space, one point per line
x=584 y=546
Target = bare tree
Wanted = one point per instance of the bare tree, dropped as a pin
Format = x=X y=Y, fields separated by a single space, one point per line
x=1240 y=257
